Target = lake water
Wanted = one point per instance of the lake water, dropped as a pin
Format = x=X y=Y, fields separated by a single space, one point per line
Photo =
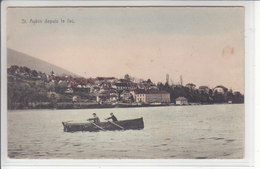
x=177 y=132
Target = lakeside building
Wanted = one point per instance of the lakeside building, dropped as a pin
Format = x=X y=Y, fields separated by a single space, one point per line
x=181 y=101
x=125 y=86
x=151 y=96
x=126 y=96
x=107 y=96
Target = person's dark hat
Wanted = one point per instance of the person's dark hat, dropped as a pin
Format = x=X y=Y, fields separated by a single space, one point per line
x=111 y=113
x=94 y=114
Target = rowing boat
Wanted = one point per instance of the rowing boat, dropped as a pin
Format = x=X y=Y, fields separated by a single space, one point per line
x=133 y=124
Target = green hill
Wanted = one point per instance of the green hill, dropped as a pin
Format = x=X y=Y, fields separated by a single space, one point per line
x=21 y=59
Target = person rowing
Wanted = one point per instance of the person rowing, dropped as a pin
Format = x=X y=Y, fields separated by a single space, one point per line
x=95 y=118
x=113 y=117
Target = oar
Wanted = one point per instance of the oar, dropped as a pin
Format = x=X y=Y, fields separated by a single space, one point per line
x=97 y=126
x=116 y=125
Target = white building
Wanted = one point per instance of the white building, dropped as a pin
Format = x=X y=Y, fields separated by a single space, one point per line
x=220 y=89
x=151 y=96
x=181 y=101
x=107 y=96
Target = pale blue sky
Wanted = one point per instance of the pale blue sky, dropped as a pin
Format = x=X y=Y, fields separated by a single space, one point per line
x=195 y=42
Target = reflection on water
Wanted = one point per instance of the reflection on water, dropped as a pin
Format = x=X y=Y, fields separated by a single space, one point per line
x=197 y=132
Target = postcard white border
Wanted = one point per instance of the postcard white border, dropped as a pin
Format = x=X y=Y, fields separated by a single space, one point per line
x=248 y=162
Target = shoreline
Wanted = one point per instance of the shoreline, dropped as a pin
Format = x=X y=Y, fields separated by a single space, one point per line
x=105 y=106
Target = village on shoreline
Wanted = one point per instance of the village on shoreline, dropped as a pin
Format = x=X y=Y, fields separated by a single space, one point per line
x=32 y=89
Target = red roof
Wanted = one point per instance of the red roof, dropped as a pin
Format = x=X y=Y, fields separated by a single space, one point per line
x=220 y=86
x=203 y=87
x=190 y=84
x=181 y=99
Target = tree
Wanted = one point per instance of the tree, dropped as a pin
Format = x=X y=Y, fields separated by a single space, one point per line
x=34 y=73
x=230 y=95
x=238 y=97
x=218 y=97
x=21 y=93
x=61 y=87
x=12 y=69
x=50 y=86
x=27 y=70
x=53 y=97
x=149 y=81
x=127 y=77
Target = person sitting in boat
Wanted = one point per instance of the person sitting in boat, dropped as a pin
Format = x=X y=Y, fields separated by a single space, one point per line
x=95 y=118
x=113 y=117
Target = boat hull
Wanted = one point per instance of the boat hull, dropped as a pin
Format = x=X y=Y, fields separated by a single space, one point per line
x=134 y=124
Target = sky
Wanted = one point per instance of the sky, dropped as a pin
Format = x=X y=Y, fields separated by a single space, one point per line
x=204 y=45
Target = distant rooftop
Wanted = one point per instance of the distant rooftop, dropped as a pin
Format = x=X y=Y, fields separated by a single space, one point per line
x=142 y=91
x=181 y=99
x=203 y=87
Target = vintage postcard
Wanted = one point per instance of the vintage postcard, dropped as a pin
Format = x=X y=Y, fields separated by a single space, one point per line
x=125 y=82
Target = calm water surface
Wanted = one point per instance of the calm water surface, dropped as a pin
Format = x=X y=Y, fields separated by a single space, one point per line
x=197 y=132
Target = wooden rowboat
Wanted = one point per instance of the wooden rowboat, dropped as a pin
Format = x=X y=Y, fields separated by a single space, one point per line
x=133 y=124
